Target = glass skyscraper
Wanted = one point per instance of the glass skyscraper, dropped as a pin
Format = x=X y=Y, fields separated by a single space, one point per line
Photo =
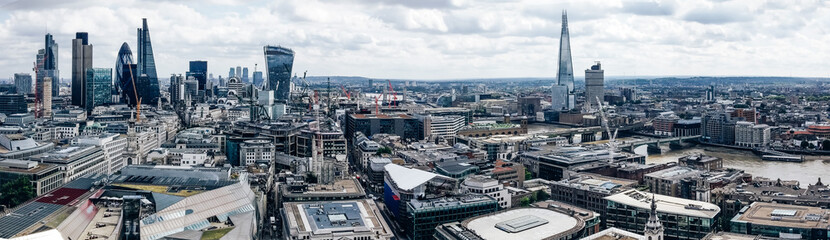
x=98 y=85
x=125 y=74
x=23 y=83
x=565 y=75
x=279 y=61
x=146 y=66
x=47 y=60
x=257 y=78
x=198 y=70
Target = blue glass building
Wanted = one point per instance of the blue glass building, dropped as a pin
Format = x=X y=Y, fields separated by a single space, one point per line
x=125 y=74
x=279 y=61
x=98 y=85
x=198 y=70
x=47 y=60
x=146 y=66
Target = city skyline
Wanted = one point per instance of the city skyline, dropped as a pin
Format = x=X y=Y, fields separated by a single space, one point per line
x=439 y=39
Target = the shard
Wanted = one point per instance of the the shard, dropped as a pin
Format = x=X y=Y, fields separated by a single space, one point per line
x=146 y=67
x=565 y=75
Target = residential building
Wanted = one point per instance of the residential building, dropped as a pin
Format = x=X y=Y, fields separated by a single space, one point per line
x=748 y=134
x=664 y=124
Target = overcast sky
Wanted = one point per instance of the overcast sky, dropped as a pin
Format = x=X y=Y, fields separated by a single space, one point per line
x=436 y=39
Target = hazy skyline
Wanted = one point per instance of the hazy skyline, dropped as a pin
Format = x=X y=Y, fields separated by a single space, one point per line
x=436 y=39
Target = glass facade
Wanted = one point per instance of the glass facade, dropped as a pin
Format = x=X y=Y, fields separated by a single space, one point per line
x=279 y=61
x=124 y=75
x=421 y=222
x=146 y=66
x=98 y=85
x=198 y=70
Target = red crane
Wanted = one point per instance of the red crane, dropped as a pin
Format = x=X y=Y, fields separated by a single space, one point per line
x=348 y=95
x=377 y=109
x=394 y=94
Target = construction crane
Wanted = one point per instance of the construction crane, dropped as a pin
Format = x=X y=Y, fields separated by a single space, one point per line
x=348 y=95
x=377 y=109
x=612 y=138
x=138 y=99
x=394 y=94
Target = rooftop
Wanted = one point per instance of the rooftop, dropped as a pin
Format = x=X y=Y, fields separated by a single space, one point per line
x=408 y=178
x=523 y=223
x=451 y=201
x=666 y=204
x=792 y=216
x=340 y=218
x=614 y=234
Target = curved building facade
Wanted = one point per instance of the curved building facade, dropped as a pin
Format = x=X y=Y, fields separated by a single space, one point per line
x=279 y=61
x=123 y=74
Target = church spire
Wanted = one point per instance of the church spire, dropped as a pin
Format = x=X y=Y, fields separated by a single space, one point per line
x=653 y=229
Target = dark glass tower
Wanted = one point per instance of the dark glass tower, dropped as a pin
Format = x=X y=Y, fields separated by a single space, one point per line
x=98 y=85
x=565 y=75
x=146 y=66
x=198 y=70
x=125 y=74
x=81 y=60
x=47 y=60
x=279 y=61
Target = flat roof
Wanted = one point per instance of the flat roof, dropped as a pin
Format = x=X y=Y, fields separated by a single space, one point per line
x=523 y=224
x=666 y=204
x=614 y=234
x=334 y=218
x=774 y=214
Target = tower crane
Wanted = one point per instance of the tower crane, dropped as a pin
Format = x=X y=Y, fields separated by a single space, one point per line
x=348 y=95
x=394 y=94
x=612 y=138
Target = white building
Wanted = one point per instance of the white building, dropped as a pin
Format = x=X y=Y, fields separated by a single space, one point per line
x=487 y=186
x=256 y=150
x=114 y=146
x=442 y=126
x=76 y=161
x=748 y=134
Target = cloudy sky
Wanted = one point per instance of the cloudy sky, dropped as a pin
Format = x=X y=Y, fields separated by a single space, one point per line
x=437 y=39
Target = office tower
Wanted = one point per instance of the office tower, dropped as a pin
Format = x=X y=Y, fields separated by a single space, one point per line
x=710 y=93
x=176 y=89
x=146 y=67
x=98 y=87
x=565 y=75
x=239 y=72
x=198 y=69
x=257 y=78
x=81 y=60
x=123 y=76
x=279 y=61
x=245 y=78
x=47 y=99
x=594 y=85
x=23 y=83
x=232 y=73
x=47 y=62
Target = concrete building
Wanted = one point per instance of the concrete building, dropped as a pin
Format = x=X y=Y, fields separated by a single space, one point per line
x=546 y=220
x=76 y=161
x=44 y=177
x=488 y=186
x=594 y=85
x=352 y=219
x=23 y=83
x=588 y=191
x=256 y=151
x=681 y=218
x=686 y=127
x=782 y=221
x=748 y=134
x=440 y=127
x=554 y=164
x=114 y=146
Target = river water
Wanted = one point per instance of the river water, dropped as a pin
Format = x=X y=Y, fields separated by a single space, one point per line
x=806 y=172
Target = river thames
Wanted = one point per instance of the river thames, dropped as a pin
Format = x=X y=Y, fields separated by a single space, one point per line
x=806 y=172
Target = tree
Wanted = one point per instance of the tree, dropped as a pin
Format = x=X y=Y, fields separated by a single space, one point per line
x=804 y=144
x=311 y=178
x=825 y=145
x=16 y=192
x=383 y=150
x=525 y=201
x=542 y=195
x=528 y=175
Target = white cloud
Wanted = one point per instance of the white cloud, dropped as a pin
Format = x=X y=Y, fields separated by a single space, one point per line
x=436 y=39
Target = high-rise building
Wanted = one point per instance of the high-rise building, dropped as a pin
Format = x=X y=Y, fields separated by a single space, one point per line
x=47 y=99
x=594 y=85
x=146 y=67
x=98 y=85
x=12 y=103
x=124 y=76
x=257 y=78
x=176 y=89
x=23 y=83
x=245 y=78
x=198 y=70
x=81 y=60
x=239 y=72
x=47 y=62
x=565 y=74
x=232 y=73
x=279 y=61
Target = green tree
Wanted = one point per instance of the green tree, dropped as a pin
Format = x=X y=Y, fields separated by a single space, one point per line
x=804 y=144
x=542 y=196
x=525 y=201
x=528 y=175
x=311 y=178
x=383 y=150
x=16 y=192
